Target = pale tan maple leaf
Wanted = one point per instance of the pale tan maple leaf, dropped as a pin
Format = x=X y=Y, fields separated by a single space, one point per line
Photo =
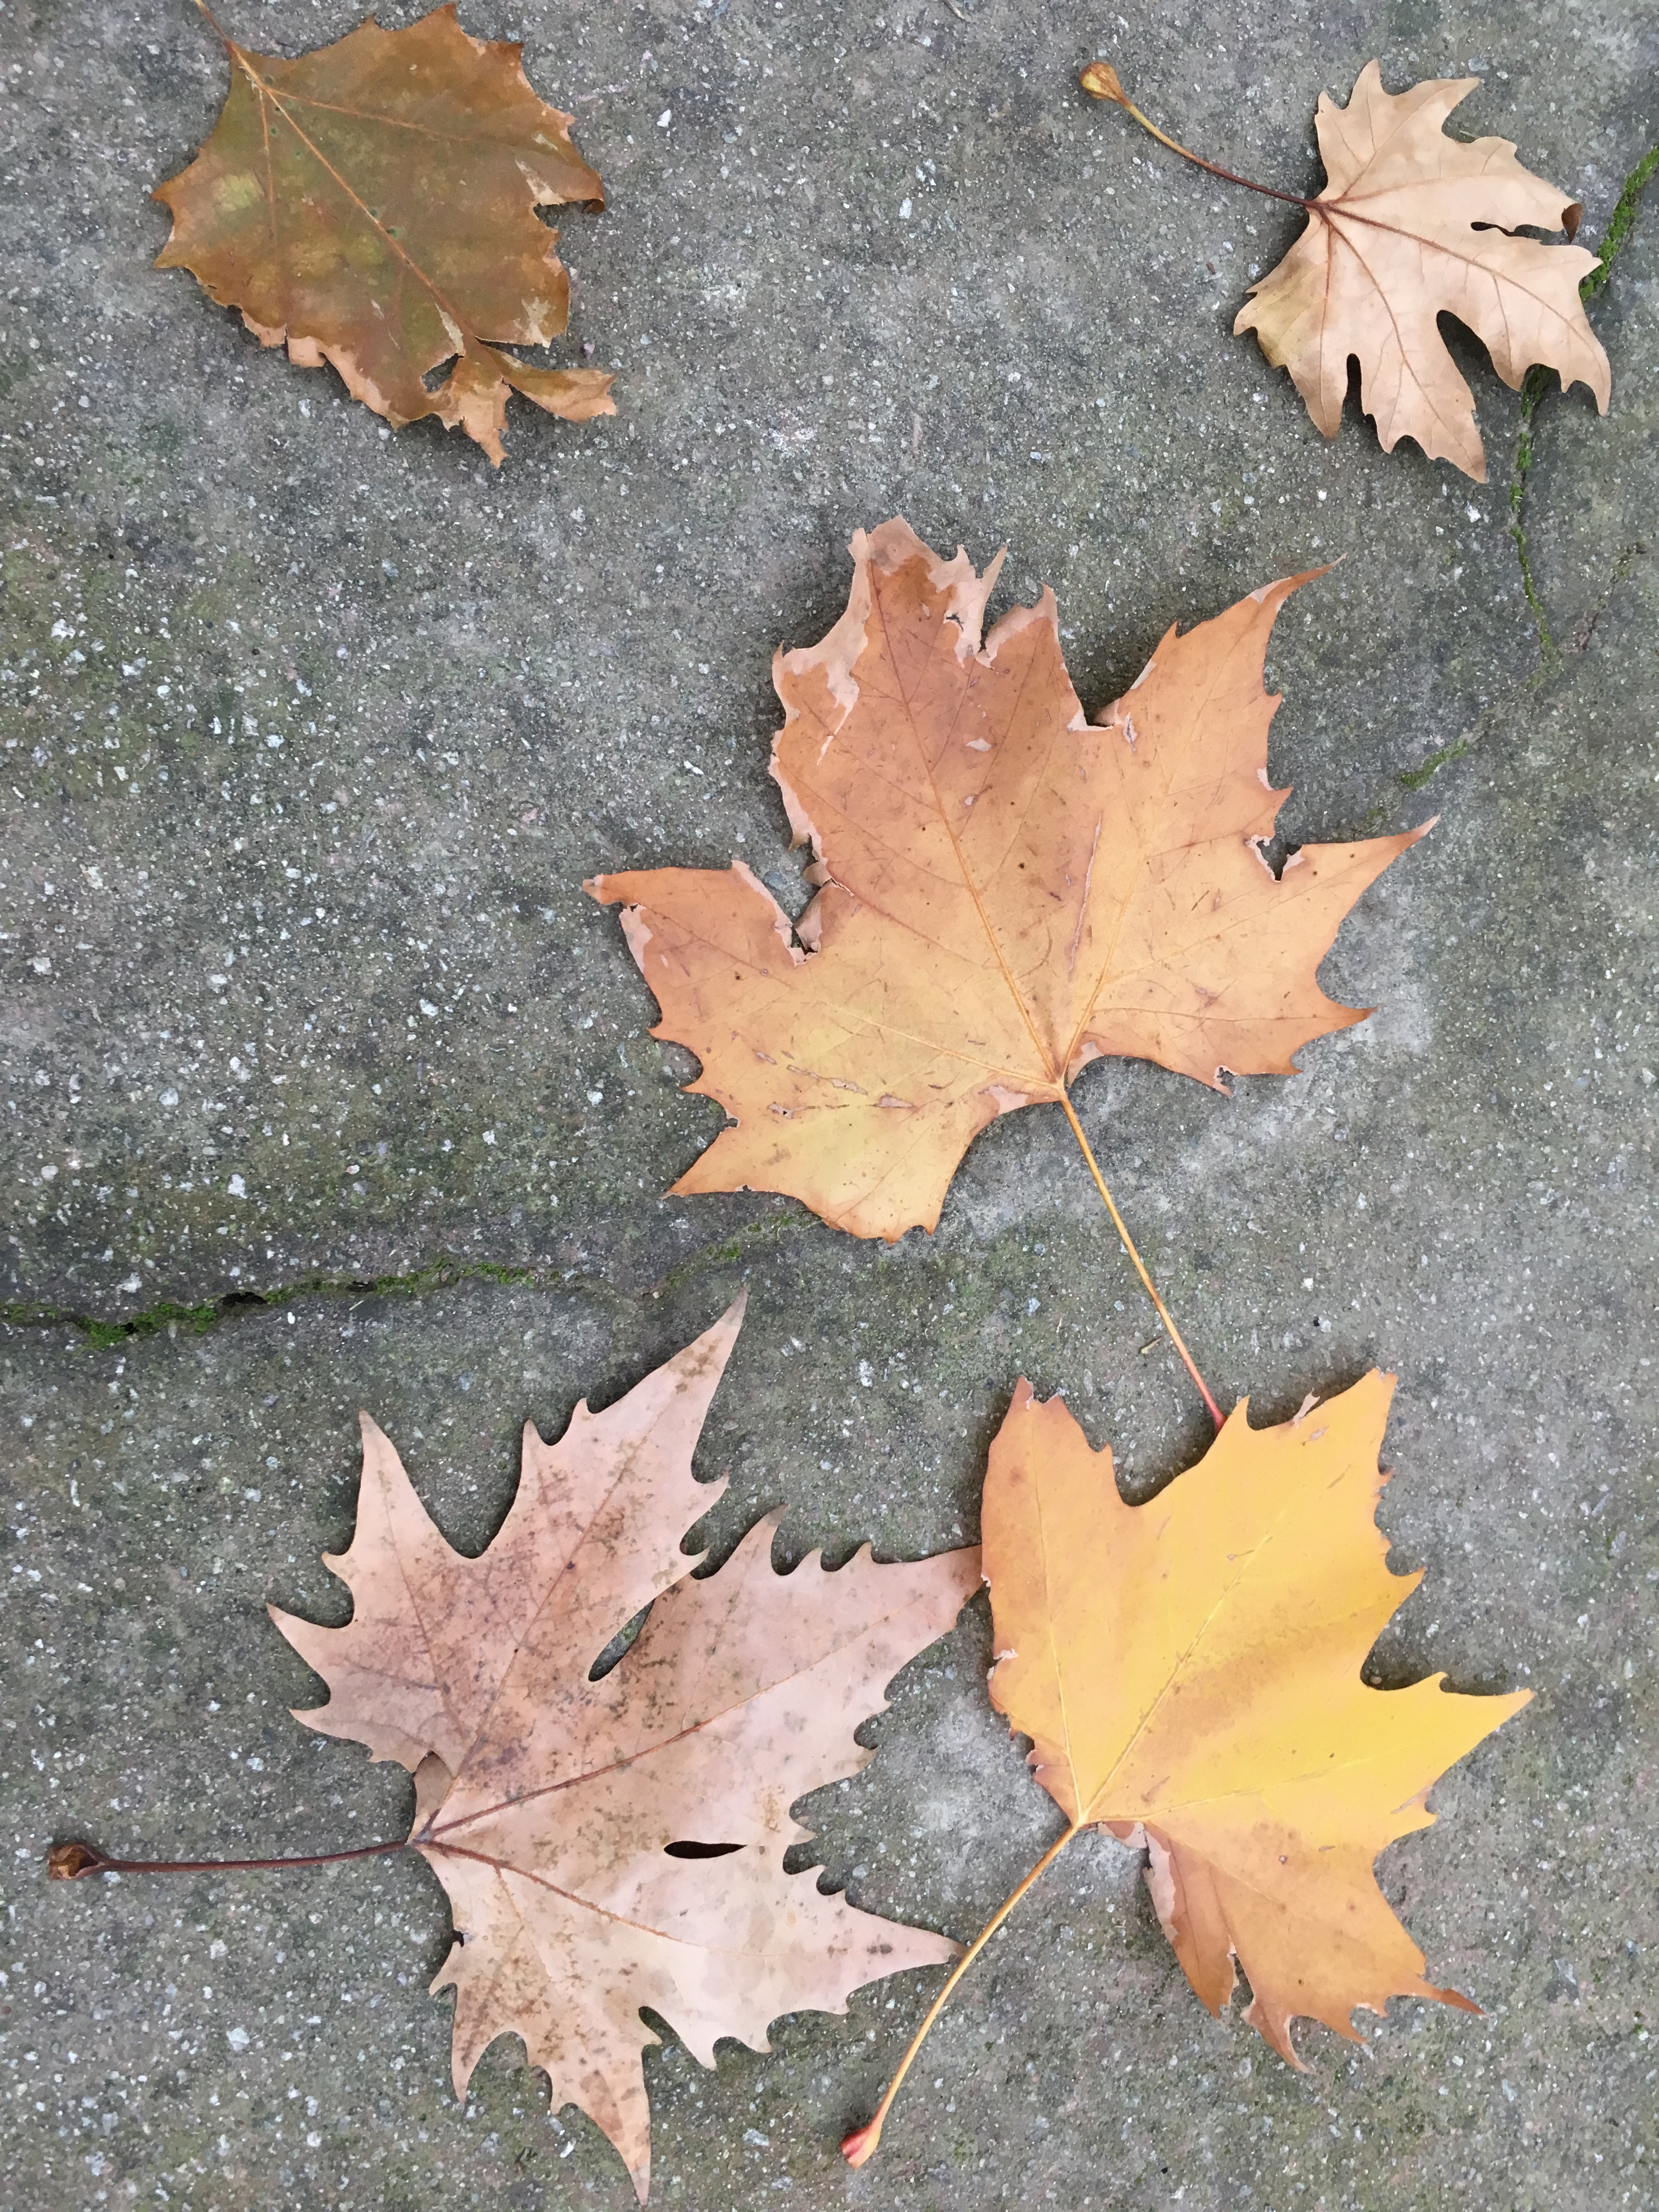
x=551 y=1805
x=1412 y=224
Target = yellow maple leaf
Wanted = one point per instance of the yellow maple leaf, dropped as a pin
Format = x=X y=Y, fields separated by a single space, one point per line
x=1189 y=1673
x=1189 y=1669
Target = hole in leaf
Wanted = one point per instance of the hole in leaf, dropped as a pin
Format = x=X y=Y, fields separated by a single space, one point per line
x=1276 y=853
x=621 y=1642
x=699 y=1851
x=1534 y=231
x=436 y=378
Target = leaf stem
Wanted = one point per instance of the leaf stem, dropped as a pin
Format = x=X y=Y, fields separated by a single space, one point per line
x=68 y=1861
x=1175 y=1339
x=1101 y=80
x=229 y=42
x=859 y=2148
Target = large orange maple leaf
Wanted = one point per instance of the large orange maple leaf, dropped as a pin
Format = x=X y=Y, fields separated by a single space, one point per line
x=611 y=1845
x=1007 y=891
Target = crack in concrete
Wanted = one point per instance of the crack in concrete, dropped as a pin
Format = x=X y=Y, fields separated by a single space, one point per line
x=170 y=1316
x=1536 y=384
x=730 y=1249
x=1535 y=685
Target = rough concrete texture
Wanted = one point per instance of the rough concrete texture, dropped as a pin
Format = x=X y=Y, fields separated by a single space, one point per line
x=312 y=734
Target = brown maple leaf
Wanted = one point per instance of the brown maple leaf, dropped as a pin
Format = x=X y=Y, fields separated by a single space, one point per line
x=1412 y=225
x=374 y=203
x=611 y=1845
x=1008 y=891
x=1189 y=1673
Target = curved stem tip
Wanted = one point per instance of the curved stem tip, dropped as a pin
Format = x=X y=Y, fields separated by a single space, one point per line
x=1101 y=80
x=859 y=2147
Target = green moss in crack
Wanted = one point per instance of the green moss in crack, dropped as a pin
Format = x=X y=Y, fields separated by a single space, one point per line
x=1414 y=778
x=1620 y=224
x=732 y=1250
x=196 y=1321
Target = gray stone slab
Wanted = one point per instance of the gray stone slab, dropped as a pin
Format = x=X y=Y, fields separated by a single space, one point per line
x=167 y=1490
x=1461 y=1190
x=319 y=729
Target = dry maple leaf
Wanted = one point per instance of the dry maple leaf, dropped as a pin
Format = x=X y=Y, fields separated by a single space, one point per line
x=1188 y=1671
x=1412 y=225
x=616 y=1844
x=374 y=203
x=1007 y=892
